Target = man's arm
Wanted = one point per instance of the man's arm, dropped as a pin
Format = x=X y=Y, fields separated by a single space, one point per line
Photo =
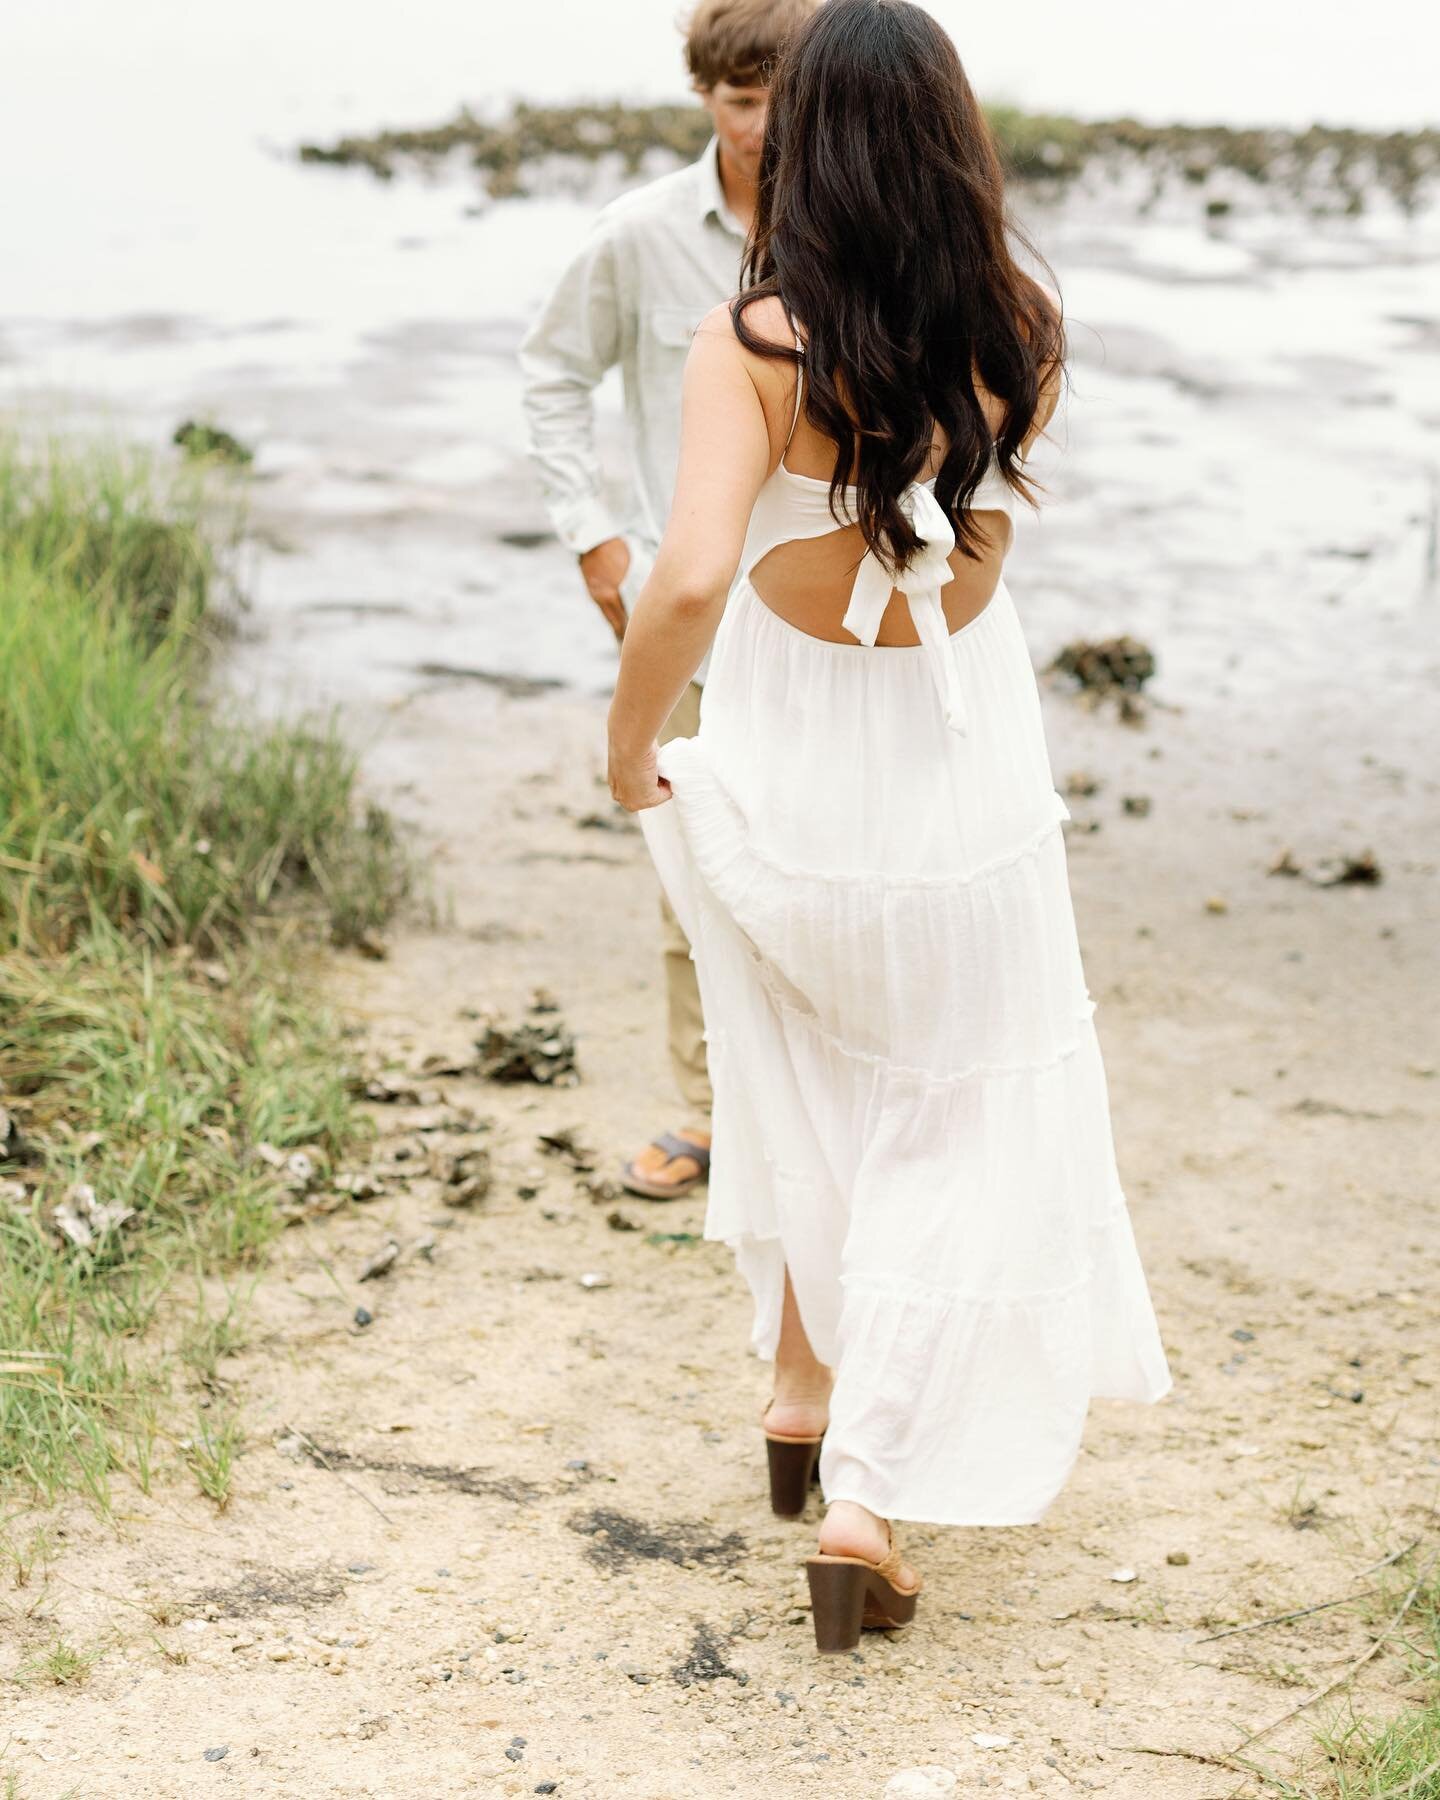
x=724 y=458
x=563 y=356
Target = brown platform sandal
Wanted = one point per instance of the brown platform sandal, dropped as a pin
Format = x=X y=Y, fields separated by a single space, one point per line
x=848 y=1595
x=794 y=1466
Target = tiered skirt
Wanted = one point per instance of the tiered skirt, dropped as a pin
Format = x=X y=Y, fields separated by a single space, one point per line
x=910 y=1104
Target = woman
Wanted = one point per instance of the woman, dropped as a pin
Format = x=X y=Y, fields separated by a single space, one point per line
x=912 y=1159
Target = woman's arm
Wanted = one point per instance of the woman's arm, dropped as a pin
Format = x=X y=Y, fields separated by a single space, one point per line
x=723 y=463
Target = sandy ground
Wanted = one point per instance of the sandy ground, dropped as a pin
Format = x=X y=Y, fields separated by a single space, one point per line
x=512 y=1537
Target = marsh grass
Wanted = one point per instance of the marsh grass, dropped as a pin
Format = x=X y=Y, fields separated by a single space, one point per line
x=163 y=870
x=1358 y=1756
x=126 y=796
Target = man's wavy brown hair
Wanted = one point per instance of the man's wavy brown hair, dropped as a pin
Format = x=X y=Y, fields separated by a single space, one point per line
x=881 y=224
x=739 y=41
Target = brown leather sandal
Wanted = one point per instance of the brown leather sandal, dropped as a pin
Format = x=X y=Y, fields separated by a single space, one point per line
x=794 y=1466
x=849 y=1595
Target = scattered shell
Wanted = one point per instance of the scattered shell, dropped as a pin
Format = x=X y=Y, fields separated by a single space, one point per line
x=467 y=1193
x=1343 y=870
x=595 y=1281
x=381 y=1262
x=393 y=1089
x=543 y=1053
x=300 y=1170
x=83 y=1219
x=1123 y=1575
x=1122 y=662
x=360 y=1184
x=436 y=1062
x=567 y=1143
x=600 y=1188
x=990 y=1740
x=469 y=1178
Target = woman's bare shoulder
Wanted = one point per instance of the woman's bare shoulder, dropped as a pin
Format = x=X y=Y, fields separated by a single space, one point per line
x=765 y=319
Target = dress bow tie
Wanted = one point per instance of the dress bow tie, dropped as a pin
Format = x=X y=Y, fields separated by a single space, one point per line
x=921 y=582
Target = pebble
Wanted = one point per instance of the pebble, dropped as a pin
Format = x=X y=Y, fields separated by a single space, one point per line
x=930 y=1783
x=218 y=1753
x=990 y=1740
x=1177 y=1558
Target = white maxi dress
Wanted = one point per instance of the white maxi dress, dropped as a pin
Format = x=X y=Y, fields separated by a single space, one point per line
x=864 y=847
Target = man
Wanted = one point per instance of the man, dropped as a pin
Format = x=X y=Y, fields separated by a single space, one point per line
x=655 y=262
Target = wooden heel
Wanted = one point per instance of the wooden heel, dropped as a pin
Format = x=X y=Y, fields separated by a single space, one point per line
x=837 y=1602
x=792 y=1466
x=849 y=1595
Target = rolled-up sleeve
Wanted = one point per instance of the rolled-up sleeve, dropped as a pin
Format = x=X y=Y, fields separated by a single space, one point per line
x=563 y=356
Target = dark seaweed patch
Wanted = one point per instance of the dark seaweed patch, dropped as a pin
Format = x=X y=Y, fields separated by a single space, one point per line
x=706 y=1661
x=616 y=1540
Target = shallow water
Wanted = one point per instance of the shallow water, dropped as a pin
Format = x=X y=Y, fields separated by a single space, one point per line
x=1247 y=473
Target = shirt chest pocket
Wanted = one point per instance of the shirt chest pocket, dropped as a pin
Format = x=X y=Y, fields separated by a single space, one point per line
x=670 y=328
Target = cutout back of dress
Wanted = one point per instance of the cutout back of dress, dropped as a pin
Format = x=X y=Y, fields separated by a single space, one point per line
x=790 y=507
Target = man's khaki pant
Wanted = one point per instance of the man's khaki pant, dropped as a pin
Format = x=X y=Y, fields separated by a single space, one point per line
x=687 y=1026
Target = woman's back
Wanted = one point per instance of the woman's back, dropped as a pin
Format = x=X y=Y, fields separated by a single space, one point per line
x=803 y=564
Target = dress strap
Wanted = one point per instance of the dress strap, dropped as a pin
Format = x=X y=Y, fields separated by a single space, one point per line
x=921 y=583
x=799 y=380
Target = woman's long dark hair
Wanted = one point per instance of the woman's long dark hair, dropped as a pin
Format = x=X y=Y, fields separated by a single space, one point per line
x=881 y=224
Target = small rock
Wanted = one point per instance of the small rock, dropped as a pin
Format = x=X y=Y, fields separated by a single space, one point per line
x=1137 y=805
x=619 y=1221
x=1217 y=904
x=1177 y=1558
x=218 y=1754
x=363 y=1316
